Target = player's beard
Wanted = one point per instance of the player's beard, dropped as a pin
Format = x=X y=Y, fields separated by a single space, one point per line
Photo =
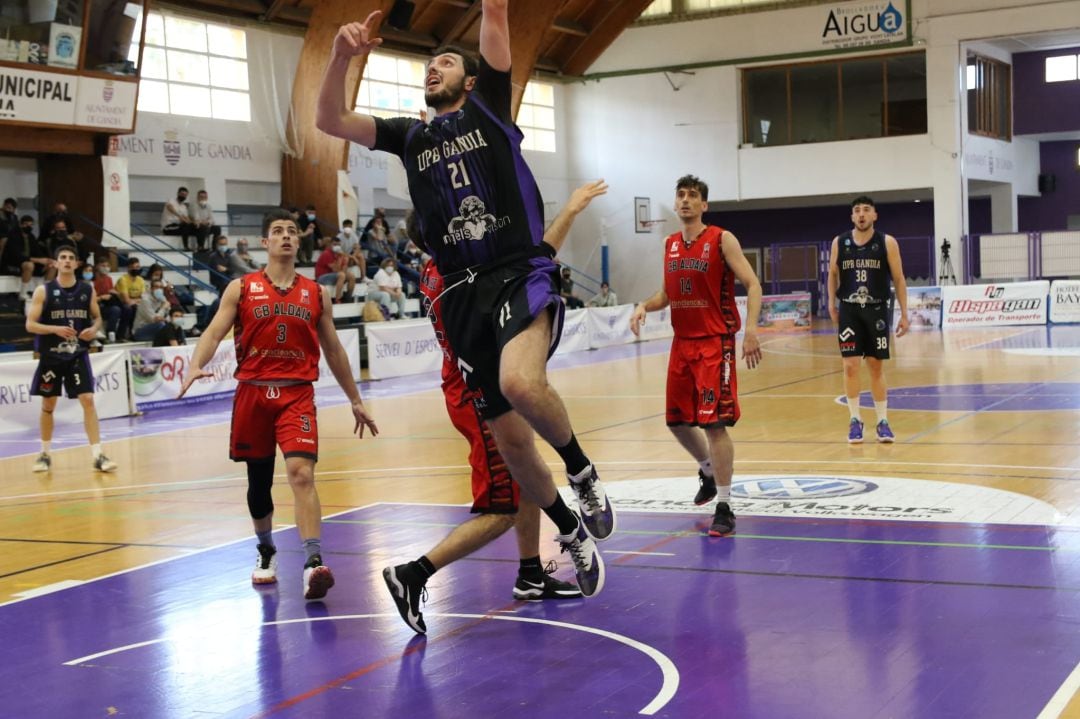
x=445 y=95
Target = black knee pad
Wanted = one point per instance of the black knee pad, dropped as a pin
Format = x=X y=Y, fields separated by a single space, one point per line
x=260 y=480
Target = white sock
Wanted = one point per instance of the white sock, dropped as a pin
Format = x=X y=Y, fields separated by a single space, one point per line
x=853 y=407
x=45 y=444
x=24 y=288
x=723 y=493
x=706 y=467
x=95 y=449
x=881 y=408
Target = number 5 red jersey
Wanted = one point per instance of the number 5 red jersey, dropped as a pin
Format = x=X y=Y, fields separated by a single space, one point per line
x=276 y=331
x=700 y=286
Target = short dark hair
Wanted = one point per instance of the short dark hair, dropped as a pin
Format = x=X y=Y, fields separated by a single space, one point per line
x=11 y=201
x=693 y=182
x=863 y=200
x=472 y=66
x=65 y=248
x=181 y=189
x=311 y=207
x=203 y=192
x=134 y=261
x=346 y=223
x=177 y=311
x=25 y=218
x=273 y=216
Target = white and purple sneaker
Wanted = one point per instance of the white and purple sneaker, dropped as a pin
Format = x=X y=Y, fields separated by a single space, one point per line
x=854 y=435
x=884 y=432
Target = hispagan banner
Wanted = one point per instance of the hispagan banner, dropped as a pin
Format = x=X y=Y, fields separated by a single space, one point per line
x=158 y=372
x=1016 y=303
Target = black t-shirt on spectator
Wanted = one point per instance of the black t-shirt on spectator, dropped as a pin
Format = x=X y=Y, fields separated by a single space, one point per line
x=304 y=222
x=169 y=332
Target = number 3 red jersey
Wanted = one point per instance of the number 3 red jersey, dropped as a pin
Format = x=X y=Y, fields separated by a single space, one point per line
x=276 y=331
x=700 y=286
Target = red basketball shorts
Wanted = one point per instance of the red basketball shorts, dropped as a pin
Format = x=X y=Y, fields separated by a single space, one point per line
x=701 y=386
x=266 y=417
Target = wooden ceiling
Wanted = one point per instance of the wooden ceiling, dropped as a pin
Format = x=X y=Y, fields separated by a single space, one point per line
x=582 y=29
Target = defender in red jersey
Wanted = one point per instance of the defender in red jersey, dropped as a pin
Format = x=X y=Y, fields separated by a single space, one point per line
x=496 y=496
x=701 y=264
x=280 y=320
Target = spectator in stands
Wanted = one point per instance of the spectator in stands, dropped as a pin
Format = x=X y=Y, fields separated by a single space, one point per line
x=172 y=334
x=566 y=289
x=388 y=280
x=331 y=270
x=412 y=255
x=218 y=262
x=156 y=273
x=108 y=300
x=310 y=235
x=60 y=212
x=348 y=237
x=129 y=289
x=176 y=217
x=151 y=314
x=380 y=214
x=400 y=236
x=18 y=248
x=9 y=222
x=241 y=261
x=202 y=216
x=605 y=298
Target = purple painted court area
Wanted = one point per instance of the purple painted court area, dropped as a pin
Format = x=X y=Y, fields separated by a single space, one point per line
x=791 y=618
x=990 y=397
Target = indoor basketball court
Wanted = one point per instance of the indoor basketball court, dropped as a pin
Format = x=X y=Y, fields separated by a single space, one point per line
x=935 y=576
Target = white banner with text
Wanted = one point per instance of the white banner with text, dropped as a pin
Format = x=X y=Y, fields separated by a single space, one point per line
x=1016 y=303
x=402 y=348
x=1065 y=301
x=575 y=332
x=21 y=410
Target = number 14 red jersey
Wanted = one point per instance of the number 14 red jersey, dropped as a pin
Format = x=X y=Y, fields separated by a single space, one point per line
x=700 y=286
x=276 y=331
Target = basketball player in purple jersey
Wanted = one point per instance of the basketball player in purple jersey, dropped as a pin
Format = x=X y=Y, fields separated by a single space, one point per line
x=481 y=218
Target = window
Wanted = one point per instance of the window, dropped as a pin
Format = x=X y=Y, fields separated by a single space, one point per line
x=847 y=100
x=193 y=68
x=672 y=9
x=392 y=86
x=536 y=117
x=989 y=97
x=1063 y=68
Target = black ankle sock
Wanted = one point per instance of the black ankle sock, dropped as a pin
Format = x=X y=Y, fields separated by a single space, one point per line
x=531 y=567
x=560 y=514
x=575 y=460
x=424 y=567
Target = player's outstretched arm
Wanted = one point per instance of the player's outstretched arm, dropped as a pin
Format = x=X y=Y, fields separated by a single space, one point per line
x=892 y=250
x=332 y=115
x=211 y=338
x=579 y=200
x=736 y=260
x=338 y=361
x=495 y=34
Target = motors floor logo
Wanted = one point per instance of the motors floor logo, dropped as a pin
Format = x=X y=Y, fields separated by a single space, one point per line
x=839 y=497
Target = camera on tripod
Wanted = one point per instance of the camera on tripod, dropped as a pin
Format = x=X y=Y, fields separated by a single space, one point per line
x=945 y=267
x=945 y=246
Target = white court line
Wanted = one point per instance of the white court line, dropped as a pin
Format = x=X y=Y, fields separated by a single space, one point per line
x=668 y=670
x=61 y=586
x=641 y=554
x=1062 y=696
x=616 y=463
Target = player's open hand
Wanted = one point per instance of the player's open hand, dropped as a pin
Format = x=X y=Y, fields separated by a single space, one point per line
x=363 y=419
x=88 y=334
x=902 y=326
x=637 y=320
x=357 y=38
x=189 y=379
x=751 y=350
x=582 y=196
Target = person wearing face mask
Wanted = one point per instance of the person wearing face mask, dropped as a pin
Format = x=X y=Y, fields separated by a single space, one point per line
x=348 y=237
x=310 y=235
x=389 y=281
x=331 y=270
x=21 y=254
x=218 y=262
x=240 y=262
x=129 y=290
x=172 y=333
x=108 y=301
x=202 y=216
x=176 y=218
x=152 y=313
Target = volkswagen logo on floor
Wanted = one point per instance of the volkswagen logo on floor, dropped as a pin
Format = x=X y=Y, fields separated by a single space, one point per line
x=799 y=488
